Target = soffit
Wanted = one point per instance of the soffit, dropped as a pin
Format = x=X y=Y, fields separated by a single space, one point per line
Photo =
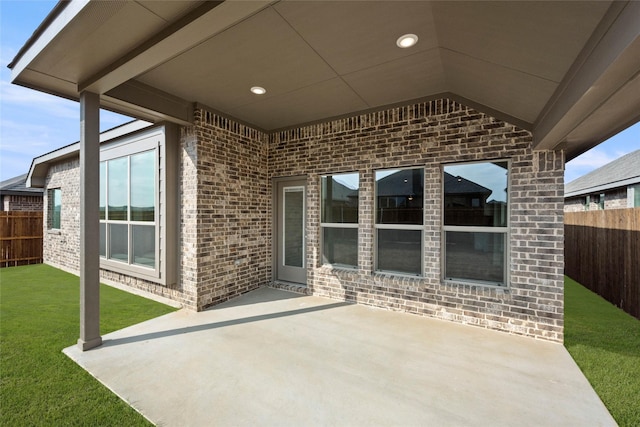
x=494 y=54
x=102 y=32
x=321 y=59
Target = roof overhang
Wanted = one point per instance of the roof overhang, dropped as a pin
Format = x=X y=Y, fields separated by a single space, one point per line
x=567 y=71
x=604 y=187
x=36 y=178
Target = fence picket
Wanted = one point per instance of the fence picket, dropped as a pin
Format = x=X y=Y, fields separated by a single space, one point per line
x=20 y=238
x=602 y=252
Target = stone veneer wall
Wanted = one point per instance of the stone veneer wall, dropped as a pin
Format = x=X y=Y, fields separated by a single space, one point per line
x=22 y=203
x=429 y=134
x=232 y=207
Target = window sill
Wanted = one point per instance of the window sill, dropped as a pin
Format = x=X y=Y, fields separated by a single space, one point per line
x=138 y=272
x=54 y=231
x=338 y=267
x=475 y=285
x=392 y=274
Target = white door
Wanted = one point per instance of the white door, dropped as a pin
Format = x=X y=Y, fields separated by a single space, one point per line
x=291 y=239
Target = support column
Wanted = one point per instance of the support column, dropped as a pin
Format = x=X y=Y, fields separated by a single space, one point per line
x=89 y=221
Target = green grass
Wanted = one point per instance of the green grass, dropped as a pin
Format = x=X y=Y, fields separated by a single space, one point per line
x=39 y=316
x=39 y=310
x=605 y=343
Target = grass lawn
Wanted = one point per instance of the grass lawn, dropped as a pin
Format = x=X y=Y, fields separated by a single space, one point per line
x=39 y=316
x=605 y=342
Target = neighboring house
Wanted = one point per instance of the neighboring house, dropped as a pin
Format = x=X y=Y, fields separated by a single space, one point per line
x=16 y=196
x=615 y=185
x=233 y=189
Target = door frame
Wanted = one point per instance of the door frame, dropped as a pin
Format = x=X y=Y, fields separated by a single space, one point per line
x=275 y=230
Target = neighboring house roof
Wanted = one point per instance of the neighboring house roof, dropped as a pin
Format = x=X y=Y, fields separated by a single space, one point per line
x=460 y=185
x=402 y=182
x=618 y=173
x=567 y=70
x=40 y=165
x=16 y=186
x=341 y=192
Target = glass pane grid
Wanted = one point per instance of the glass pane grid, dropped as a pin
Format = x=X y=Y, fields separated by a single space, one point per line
x=476 y=219
x=128 y=209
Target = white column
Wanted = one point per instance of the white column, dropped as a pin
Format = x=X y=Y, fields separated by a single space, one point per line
x=89 y=221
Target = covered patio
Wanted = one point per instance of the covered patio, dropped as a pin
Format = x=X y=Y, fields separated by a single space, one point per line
x=272 y=357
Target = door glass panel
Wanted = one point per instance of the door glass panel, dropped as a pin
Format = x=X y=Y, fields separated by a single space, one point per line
x=293 y=227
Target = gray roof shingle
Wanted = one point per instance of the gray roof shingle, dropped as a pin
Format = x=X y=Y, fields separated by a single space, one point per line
x=618 y=173
x=17 y=186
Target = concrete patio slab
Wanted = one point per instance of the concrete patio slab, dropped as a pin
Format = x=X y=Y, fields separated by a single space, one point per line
x=275 y=358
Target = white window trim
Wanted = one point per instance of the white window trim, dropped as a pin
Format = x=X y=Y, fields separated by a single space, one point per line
x=377 y=227
x=479 y=229
x=160 y=139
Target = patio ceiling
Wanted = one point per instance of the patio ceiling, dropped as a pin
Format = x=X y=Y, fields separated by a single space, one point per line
x=567 y=71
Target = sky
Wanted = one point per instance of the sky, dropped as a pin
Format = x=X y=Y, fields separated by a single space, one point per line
x=33 y=123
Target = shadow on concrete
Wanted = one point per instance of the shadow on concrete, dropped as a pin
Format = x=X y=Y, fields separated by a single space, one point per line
x=216 y=325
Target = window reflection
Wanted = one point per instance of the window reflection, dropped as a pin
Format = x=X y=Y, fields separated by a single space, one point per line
x=399 y=196
x=340 y=198
x=118 y=186
x=339 y=218
x=143 y=189
x=399 y=220
x=476 y=194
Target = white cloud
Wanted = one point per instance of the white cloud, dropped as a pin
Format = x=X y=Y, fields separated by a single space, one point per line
x=14 y=96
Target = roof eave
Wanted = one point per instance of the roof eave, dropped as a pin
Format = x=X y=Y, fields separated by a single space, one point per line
x=597 y=188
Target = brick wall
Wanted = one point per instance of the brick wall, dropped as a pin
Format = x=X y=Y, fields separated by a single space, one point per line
x=616 y=199
x=232 y=237
x=62 y=247
x=430 y=134
x=613 y=199
x=226 y=173
x=22 y=203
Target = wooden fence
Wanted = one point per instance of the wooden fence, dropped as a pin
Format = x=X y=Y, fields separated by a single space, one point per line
x=602 y=252
x=20 y=238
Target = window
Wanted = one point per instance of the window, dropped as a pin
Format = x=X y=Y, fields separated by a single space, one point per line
x=476 y=222
x=601 y=201
x=339 y=219
x=399 y=220
x=54 y=202
x=139 y=204
x=587 y=202
x=636 y=196
x=127 y=209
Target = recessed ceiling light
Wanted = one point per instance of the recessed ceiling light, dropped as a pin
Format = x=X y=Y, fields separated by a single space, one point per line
x=258 y=90
x=407 y=40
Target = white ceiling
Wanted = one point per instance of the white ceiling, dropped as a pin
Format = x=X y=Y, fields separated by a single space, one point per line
x=322 y=59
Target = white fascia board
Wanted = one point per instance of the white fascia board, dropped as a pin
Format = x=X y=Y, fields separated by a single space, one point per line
x=72 y=9
x=604 y=187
